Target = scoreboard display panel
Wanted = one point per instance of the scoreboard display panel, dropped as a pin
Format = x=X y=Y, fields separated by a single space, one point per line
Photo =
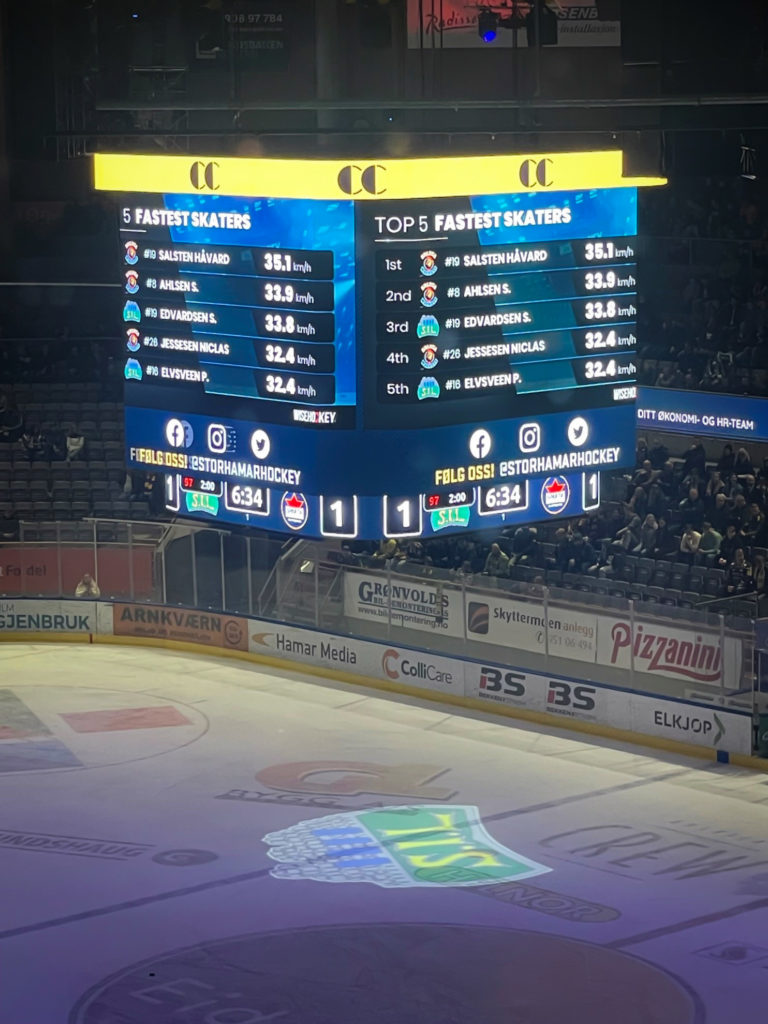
x=378 y=349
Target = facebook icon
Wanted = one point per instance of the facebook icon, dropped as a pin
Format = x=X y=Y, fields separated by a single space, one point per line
x=178 y=433
x=480 y=443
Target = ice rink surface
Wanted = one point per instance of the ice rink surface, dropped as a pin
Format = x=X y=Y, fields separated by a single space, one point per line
x=467 y=870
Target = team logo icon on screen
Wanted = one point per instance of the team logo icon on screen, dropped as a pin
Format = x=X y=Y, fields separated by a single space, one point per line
x=133 y=370
x=427 y=327
x=428 y=388
x=131 y=282
x=132 y=339
x=131 y=252
x=428 y=263
x=555 y=492
x=132 y=312
x=429 y=356
x=294 y=510
x=428 y=293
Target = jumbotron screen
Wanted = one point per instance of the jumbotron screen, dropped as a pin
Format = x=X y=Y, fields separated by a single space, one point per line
x=367 y=349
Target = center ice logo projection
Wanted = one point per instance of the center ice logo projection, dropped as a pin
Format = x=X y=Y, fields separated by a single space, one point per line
x=398 y=847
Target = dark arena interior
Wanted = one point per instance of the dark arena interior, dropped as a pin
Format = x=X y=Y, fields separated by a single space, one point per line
x=383 y=512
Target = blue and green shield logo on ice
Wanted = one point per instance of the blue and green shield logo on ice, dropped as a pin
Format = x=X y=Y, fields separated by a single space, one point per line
x=395 y=847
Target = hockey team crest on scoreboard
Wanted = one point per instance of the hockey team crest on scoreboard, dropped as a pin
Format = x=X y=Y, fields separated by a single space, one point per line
x=428 y=326
x=429 y=356
x=555 y=492
x=294 y=510
x=428 y=263
x=398 y=847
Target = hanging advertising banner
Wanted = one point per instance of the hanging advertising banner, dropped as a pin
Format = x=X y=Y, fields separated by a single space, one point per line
x=651 y=646
x=452 y=24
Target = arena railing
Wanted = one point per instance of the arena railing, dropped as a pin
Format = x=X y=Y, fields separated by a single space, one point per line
x=687 y=654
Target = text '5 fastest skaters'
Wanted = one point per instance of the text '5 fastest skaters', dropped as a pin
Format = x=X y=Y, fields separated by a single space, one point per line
x=160 y=217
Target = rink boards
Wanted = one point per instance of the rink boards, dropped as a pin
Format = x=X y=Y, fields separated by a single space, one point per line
x=712 y=729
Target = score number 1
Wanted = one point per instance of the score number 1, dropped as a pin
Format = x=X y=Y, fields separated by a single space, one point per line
x=338 y=516
x=402 y=516
x=590 y=491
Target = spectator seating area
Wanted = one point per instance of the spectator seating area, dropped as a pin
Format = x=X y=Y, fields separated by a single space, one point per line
x=704 y=286
x=650 y=544
x=38 y=481
x=636 y=546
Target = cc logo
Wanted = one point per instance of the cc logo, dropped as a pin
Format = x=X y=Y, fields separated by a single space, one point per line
x=353 y=179
x=202 y=175
x=536 y=172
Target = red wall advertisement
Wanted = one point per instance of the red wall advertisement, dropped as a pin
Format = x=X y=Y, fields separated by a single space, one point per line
x=453 y=24
x=34 y=570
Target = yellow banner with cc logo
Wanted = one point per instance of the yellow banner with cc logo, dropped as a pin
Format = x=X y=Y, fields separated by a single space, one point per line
x=422 y=178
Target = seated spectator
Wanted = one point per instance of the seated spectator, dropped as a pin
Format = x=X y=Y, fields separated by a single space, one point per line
x=666 y=479
x=666 y=542
x=725 y=462
x=691 y=481
x=612 y=567
x=695 y=458
x=387 y=550
x=720 y=515
x=154 y=490
x=715 y=486
x=689 y=543
x=581 y=555
x=57 y=446
x=738 y=579
x=628 y=538
x=75 y=445
x=709 y=545
x=497 y=563
x=637 y=504
x=34 y=442
x=692 y=508
x=742 y=465
x=732 y=542
x=749 y=487
x=738 y=511
x=562 y=549
x=658 y=454
x=658 y=503
x=644 y=475
x=752 y=523
x=87 y=587
x=524 y=545
x=648 y=533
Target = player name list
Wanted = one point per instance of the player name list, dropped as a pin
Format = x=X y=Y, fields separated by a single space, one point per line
x=455 y=323
x=243 y=321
